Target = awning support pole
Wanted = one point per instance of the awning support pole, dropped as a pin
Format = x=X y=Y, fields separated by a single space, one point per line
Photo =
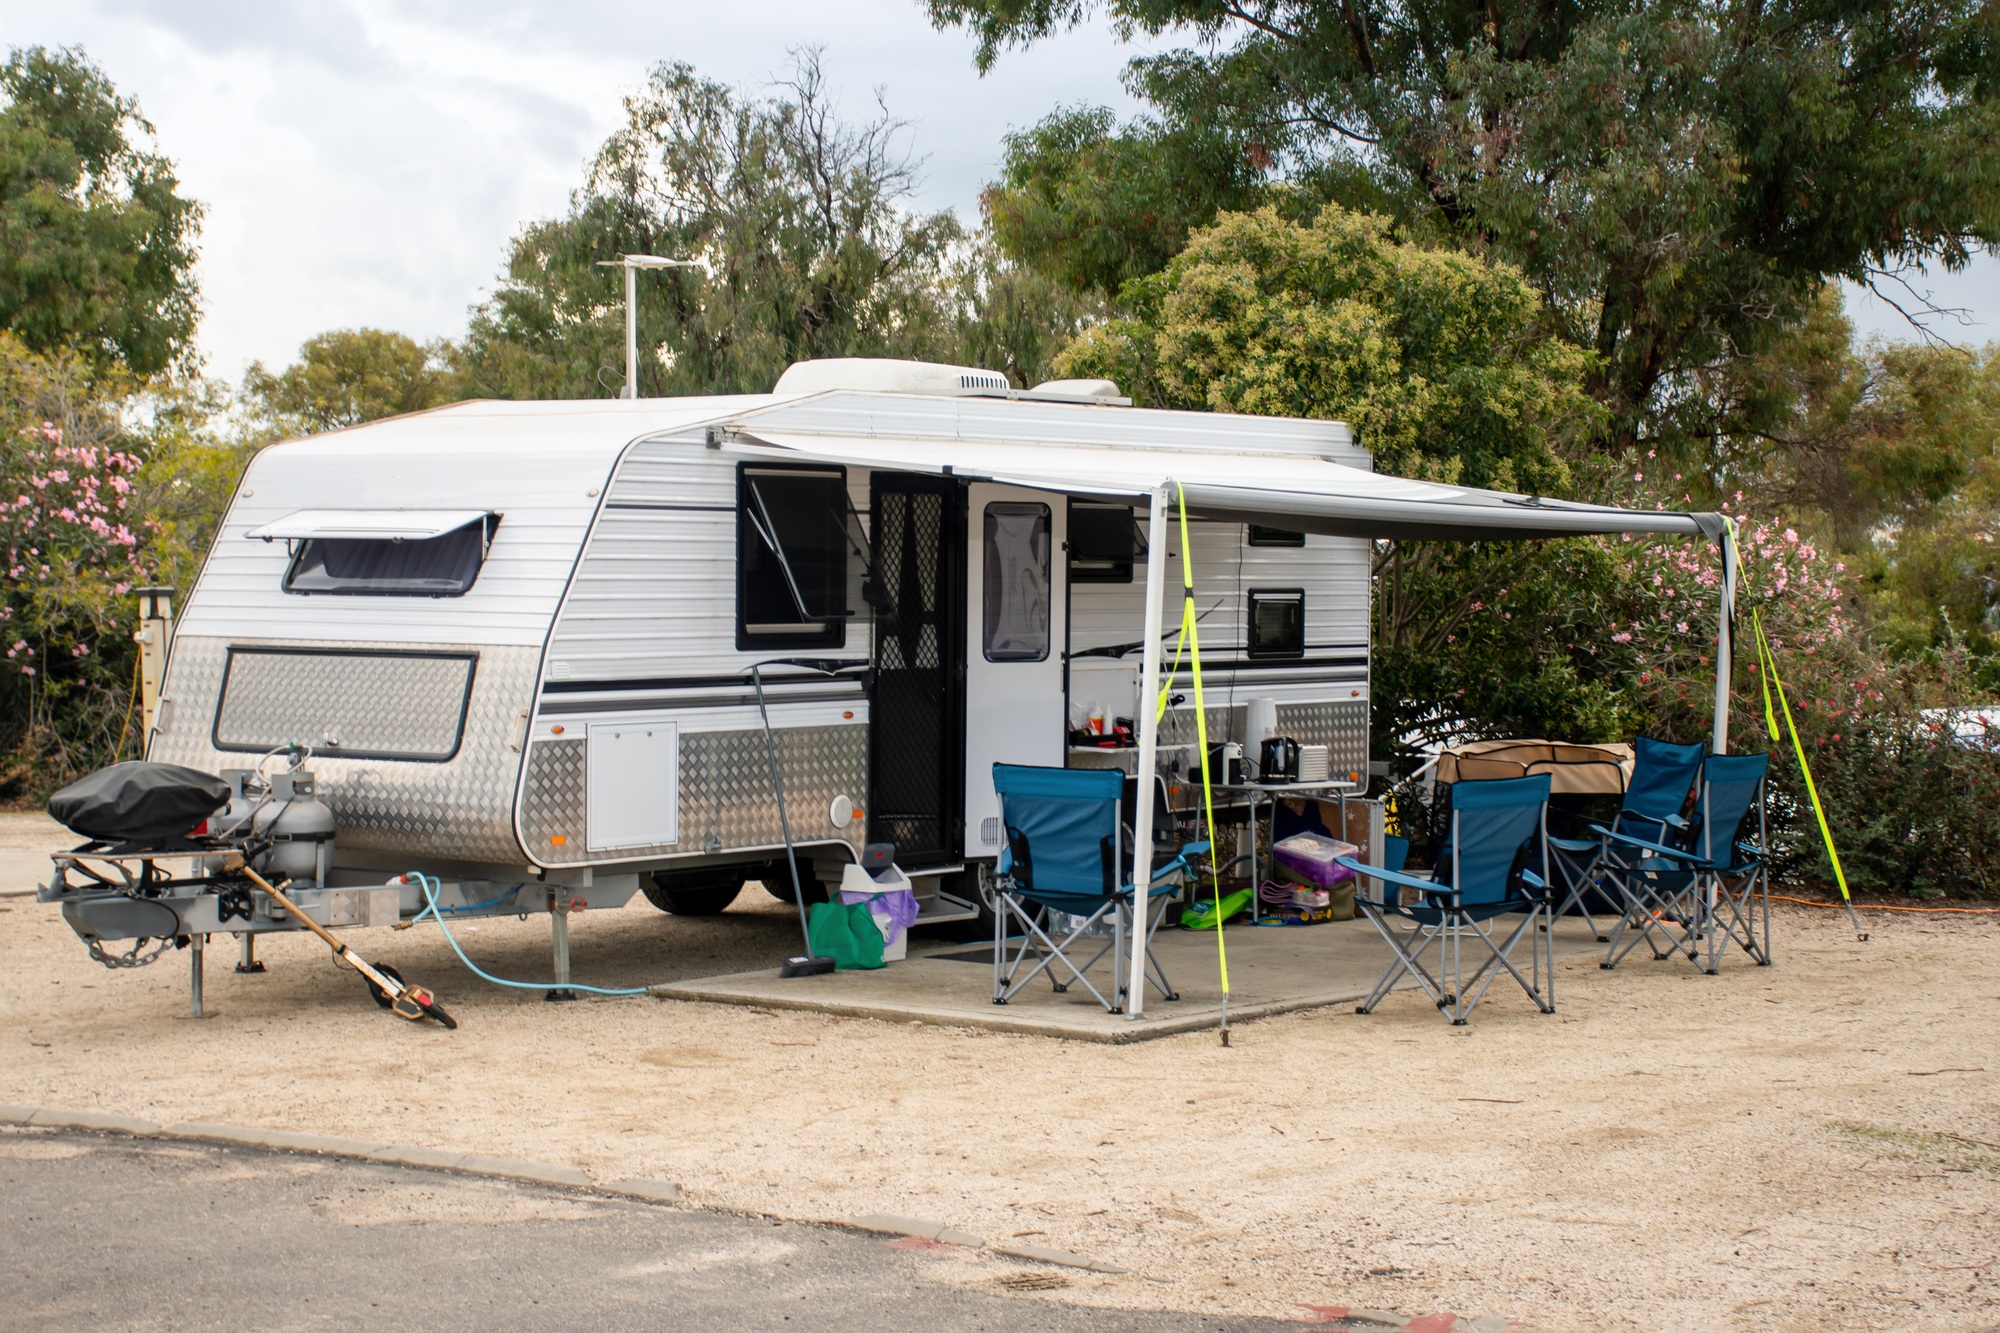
x=1157 y=532
x=1725 y=631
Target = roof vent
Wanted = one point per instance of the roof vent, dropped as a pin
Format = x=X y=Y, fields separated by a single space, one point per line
x=881 y=375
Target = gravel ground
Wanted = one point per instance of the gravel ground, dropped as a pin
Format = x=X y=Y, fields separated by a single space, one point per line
x=1812 y=1146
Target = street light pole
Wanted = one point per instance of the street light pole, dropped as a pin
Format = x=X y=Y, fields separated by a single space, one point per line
x=631 y=329
x=632 y=264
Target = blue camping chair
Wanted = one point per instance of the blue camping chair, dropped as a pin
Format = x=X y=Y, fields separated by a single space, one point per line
x=1662 y=775
x=1696 y=898
x=1476 y=882
x=1065 y=852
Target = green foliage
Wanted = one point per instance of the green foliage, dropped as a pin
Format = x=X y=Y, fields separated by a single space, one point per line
x=1094 y=206
x=1676 y=181
x=798 y=218
x=1434 y=356
x=97 y=246
x=344 y=378
x=1913 y=808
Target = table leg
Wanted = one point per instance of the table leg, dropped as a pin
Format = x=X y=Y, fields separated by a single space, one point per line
x=1256 y=878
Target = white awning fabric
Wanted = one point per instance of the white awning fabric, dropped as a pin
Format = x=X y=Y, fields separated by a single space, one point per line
x=367 y=524
x=1296 y=491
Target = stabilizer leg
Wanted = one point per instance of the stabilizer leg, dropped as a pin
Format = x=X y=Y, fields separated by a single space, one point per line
x=246 y=957
x=559 y=937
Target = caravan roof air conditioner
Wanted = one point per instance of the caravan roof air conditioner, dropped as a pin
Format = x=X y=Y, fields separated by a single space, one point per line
x=881 y=375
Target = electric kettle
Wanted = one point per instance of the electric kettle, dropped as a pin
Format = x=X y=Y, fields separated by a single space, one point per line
x=1278 y=760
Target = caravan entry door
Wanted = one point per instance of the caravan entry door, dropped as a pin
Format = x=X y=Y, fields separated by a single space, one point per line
x=916 y=717
x=1016 y=629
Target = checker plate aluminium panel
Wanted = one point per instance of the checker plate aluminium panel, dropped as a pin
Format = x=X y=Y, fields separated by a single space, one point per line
x=1341 y=725
x=368 y=704
x=458 y=809
x=725 y=793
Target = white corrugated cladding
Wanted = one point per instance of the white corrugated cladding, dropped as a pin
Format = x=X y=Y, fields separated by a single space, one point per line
x=1331 y=571
x=655 y=595
x=535 y=464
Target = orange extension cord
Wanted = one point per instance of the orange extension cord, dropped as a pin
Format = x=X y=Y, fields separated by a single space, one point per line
x=1884 y=907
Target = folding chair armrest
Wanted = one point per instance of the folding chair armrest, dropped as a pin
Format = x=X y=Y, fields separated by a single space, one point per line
x=1670 y=853
x=1392 y=876
x=1180 y=861
x=1529 y=877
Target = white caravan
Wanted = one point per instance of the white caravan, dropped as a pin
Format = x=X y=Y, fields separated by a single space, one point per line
x=524 y=640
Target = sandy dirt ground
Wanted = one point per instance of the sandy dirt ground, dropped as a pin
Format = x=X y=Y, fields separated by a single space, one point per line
x=1807 y=1147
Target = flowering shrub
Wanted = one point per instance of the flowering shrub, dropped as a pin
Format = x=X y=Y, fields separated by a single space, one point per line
x=70 y=540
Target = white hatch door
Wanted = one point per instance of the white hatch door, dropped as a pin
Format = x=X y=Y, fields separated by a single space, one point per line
x=632 y=784
x=1016 y=622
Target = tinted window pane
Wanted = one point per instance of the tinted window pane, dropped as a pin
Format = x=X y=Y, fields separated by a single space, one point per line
x=1277 y=623
x=1263 y=536
x=437 y=567
x=1017 y=582
x=1101 y=543
x=791 y=543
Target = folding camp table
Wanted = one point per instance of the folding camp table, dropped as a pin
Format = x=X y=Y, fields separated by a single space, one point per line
x=1274 y=791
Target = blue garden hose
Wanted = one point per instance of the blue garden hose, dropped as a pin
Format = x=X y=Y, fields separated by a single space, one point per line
x=425 y=882
x=434 y=910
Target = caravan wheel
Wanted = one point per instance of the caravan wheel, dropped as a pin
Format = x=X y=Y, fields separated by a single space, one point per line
x=777 y=881
x=692 y=893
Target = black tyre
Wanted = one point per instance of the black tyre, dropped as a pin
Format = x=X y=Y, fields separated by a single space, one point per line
x=777 y=881
x=691 y=894
x=383 y=997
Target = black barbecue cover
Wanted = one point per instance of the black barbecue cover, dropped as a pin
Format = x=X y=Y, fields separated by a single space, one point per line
x=139 y=802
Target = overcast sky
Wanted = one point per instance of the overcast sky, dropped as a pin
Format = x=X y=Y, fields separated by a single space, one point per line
x=365 y=162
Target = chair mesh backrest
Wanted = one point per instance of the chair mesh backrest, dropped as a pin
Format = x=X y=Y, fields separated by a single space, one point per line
x=1065 y=816
x=1728 y=798
x=1493 y=819
x=1662 y=772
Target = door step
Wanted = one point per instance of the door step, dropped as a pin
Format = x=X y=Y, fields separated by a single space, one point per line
x=938 y=907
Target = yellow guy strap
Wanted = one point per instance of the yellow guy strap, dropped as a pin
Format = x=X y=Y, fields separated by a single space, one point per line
x=1767 y=676
x=1190 y=639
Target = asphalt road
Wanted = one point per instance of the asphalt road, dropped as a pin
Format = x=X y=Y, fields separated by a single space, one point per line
x=106 y=1232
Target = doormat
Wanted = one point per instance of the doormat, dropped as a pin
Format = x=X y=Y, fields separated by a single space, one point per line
x=980 y=955
x=983 y=954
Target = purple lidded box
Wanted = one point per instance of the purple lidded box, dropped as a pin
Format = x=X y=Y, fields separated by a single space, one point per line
x=1309 y=856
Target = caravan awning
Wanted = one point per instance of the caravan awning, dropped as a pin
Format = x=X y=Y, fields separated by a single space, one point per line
x=412 y=525
x=1306 y=493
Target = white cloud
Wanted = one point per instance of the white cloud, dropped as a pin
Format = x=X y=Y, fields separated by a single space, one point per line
x=365 y=162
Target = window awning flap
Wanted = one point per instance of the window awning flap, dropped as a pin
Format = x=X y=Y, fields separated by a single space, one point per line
x=1295 y=491
x=367 y=524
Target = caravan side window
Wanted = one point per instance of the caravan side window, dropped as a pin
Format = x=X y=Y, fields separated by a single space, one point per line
x=1016 y=577
x=442 y=566
x=1277 y=619
x=791 y=557
x=1102 y=542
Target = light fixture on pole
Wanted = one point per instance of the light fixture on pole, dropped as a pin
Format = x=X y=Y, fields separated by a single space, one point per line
x=632 y=264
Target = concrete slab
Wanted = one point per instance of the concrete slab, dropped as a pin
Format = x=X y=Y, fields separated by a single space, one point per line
x=1272 y=970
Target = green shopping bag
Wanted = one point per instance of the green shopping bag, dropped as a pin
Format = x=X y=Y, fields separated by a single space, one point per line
x=1201 y=914
x=846 y=933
